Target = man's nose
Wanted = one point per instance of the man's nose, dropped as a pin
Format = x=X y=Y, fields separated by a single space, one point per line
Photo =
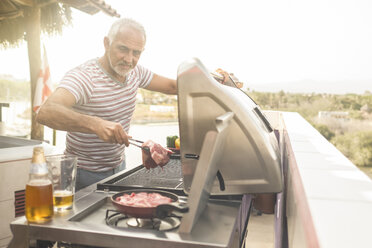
x=129 y=57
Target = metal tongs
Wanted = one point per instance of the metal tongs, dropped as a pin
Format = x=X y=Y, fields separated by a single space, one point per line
x=135 y=143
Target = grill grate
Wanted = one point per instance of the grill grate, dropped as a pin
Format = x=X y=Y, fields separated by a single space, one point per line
x=170 y=176
x=19 y=203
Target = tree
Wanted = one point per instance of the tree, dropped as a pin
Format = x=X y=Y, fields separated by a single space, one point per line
x=37 y=16
x=25 y=20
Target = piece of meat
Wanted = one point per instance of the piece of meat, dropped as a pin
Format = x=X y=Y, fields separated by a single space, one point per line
x=143 y=199
x=158 y=156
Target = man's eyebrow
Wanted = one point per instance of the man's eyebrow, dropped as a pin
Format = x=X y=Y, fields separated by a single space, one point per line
x=135 y=50
x=123 y=46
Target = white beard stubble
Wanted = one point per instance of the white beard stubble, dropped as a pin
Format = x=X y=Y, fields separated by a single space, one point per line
x=122 y=73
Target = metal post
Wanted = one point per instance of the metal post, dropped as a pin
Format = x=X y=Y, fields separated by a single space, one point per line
x=1 y=109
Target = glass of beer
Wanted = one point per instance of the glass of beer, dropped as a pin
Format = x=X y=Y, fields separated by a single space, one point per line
x=62 y=172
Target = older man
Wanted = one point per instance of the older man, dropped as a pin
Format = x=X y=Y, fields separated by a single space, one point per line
x=95 y=102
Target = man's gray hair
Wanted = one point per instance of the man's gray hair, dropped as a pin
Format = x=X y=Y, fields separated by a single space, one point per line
x=115 y=28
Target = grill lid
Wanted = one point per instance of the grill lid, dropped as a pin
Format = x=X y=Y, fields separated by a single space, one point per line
x=249 y=156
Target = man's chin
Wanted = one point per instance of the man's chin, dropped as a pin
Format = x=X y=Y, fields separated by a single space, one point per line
x=123 y=73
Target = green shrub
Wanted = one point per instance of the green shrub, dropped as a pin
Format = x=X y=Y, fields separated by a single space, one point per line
x=357 y=146
x=325 y=131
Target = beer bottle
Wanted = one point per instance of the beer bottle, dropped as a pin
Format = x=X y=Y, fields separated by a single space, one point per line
x=39 y=191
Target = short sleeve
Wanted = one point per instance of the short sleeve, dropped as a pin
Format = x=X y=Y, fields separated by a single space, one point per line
x=145 y=76
x=79 y=84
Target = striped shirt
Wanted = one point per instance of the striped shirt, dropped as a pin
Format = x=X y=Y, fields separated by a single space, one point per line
x=98 y=94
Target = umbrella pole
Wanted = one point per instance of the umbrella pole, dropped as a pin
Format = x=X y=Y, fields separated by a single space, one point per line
x=54 y=137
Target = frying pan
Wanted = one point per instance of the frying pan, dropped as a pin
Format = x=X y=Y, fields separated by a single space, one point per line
x=161 y=211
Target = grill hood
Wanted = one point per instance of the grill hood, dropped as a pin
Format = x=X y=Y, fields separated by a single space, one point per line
x=247 y=155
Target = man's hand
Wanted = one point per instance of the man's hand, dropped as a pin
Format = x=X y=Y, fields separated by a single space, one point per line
x=112 y=132
x=224 y=74
x=228 y=79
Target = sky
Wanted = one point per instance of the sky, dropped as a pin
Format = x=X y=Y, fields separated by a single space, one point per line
x=260 y=41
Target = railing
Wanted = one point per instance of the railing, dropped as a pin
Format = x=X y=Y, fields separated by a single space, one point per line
x=328 y=199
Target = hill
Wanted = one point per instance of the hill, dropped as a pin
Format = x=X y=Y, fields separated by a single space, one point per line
x=312 y=86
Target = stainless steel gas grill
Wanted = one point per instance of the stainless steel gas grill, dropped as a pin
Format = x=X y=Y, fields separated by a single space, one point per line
x=228 y=150
x=94 y=222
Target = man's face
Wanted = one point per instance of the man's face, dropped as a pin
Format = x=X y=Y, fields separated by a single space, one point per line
x=125 y=50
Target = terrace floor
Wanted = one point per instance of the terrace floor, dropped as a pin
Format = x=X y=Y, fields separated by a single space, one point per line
x=260 y=231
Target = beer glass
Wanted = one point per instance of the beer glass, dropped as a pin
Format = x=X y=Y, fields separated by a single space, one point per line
x=62 y=172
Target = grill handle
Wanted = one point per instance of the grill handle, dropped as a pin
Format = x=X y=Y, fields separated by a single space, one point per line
x=192 y=156
x=221 y=181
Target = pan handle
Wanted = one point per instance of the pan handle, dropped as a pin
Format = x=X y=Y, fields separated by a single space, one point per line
x=164 y=210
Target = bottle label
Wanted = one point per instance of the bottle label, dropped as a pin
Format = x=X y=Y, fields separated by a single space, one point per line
x=38 y=168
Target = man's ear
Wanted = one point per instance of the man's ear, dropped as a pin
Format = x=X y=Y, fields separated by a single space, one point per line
x=106 y=43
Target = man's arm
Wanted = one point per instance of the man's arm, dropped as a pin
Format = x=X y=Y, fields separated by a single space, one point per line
x=163 y=85
x=57 y=113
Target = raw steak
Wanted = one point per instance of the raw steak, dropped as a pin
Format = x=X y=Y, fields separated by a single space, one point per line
x=158 y=156
x=143 y=199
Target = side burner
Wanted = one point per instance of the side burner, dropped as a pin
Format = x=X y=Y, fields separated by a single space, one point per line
x=122 y=221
